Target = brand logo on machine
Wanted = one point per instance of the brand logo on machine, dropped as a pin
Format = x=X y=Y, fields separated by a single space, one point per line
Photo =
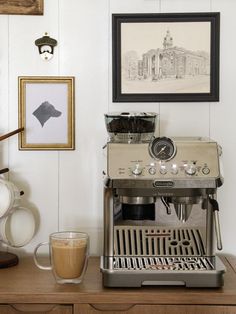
x=163 y=184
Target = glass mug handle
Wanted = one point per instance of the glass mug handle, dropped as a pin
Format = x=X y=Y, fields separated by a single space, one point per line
x=35 y=257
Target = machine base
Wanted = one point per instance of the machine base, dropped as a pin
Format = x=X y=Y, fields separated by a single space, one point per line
x=190 y=278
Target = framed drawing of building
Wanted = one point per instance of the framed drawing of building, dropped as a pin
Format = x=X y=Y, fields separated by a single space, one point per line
x=165 y=57
x=46 y=112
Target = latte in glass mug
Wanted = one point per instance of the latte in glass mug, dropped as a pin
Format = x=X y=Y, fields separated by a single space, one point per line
x=68 y=255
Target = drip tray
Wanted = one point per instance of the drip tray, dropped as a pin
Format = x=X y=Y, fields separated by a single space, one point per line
x=151 y=255
x=154 y=241
x=184 y=271
x=163 y=263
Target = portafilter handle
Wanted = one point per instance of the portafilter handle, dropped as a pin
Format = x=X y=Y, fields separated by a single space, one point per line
x=215 y=208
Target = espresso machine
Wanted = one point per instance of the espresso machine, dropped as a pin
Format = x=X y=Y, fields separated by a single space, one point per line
x=161 y=215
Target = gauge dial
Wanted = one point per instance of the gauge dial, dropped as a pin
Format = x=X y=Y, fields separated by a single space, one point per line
x=162 y=148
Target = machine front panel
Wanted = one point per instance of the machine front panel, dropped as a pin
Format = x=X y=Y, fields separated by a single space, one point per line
x=192 y=160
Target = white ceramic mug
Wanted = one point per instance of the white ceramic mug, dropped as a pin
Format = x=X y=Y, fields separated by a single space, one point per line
x=69 y=253
x=9 y=197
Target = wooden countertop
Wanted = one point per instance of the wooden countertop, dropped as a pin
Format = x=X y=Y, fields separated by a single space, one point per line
x=28 y=284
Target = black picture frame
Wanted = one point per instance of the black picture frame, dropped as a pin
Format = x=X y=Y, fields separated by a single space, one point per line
x=183 y=74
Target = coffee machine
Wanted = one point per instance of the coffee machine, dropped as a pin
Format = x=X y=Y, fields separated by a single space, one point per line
x=161 y=215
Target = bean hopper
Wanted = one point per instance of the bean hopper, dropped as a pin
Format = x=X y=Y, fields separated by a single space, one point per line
x=161 y=221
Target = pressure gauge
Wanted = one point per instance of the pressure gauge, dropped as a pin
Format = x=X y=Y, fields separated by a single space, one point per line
x=162 y=148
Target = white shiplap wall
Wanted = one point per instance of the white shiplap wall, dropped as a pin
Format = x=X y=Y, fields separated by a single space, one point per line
x=66 y=188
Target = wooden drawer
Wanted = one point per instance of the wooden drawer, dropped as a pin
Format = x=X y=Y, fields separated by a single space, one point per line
x=150 y=309
x=36 y=308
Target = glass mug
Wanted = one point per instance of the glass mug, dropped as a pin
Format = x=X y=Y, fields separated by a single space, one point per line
x=69 y=253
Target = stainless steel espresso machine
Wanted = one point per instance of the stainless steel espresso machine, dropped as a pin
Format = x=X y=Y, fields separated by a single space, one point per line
x=160 y=209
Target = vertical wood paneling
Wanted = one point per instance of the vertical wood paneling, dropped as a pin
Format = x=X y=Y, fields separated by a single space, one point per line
x=35 y=172
x=223 y=127
x=186 y=6
x=66 y=188
x=4 y=97
x=4 y=89
x=134 y=6
x=184 y=119
x=83 y=54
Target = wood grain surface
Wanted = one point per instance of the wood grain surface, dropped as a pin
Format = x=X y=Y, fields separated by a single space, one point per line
x=25 y=283
x=155 y=309
x=28 y=7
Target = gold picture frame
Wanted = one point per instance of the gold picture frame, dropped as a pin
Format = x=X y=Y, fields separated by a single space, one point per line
x=23 y=7
x=46 y=112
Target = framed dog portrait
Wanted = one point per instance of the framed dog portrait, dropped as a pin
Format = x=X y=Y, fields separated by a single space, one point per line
x=166 y=57
x=46 y=112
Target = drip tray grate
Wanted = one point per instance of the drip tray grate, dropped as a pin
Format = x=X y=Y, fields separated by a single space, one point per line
x=163 y=263
x=155 y=241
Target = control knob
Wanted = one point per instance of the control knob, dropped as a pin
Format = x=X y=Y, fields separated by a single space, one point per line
x=191 y=169
x=137 y=170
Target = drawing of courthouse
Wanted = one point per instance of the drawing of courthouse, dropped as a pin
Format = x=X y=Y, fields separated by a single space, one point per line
x=169 y=62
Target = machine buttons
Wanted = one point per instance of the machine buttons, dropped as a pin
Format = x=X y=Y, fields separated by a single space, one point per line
x=163 y=169
x=152 y=170
x=174 y=169
x=205 y=170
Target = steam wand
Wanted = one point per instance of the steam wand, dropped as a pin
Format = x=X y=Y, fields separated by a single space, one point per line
x=215 y=208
